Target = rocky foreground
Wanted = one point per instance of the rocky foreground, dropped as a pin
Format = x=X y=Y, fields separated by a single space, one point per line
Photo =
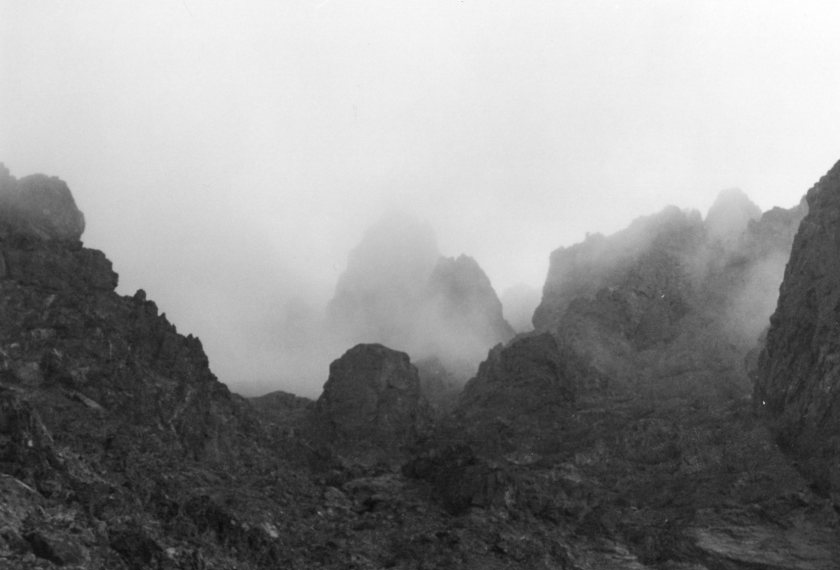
x=620 y=434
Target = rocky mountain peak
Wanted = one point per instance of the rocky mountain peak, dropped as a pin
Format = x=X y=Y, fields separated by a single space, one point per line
x=376 y=297
x=399 y=291
x=650 y=246
x=120 y=450
x=38 y=206
x=371 y=399
x=464 y=311
x=729 y=215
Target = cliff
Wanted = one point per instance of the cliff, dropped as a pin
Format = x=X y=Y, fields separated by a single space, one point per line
x=798 y=380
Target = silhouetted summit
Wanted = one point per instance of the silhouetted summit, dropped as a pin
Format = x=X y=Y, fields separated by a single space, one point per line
x=399 y=291
x=729 y=216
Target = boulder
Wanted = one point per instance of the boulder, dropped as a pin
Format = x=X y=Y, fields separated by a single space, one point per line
x=371 y=399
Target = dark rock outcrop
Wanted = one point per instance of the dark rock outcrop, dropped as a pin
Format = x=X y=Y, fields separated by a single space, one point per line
x=38 y=206
x=532 y=374
x=110 y=419
x=798 y=380
x=460 y=479
x=120 y=450
x=372 y=399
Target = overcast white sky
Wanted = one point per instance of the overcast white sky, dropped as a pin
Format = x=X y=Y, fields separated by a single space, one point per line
x=227 y=155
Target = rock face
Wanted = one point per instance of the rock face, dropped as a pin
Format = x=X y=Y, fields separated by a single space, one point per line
x=373 y=399
x=100 y=397
x=119 y=449
x=599 y=262
x=399 y=291
x=39 y=206
x=531 y=374
x=798 y=381
x=675 y=302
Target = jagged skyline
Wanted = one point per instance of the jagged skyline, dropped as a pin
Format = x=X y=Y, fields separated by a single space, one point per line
x=229 y=156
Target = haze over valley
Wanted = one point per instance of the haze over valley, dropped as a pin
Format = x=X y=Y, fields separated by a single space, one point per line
x=328 y=285
x=229 y=157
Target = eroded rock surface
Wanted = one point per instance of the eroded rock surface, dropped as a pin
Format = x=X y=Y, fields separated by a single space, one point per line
x=113 y=429
x=674 y=303
x=371 y=399
x=531 y=374
x=798 y=382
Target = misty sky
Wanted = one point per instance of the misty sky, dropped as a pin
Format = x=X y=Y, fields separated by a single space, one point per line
x=228 y=155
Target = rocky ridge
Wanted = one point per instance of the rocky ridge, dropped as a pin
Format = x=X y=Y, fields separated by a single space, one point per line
x=674 y=303
x=798 y=379
x=120 y=449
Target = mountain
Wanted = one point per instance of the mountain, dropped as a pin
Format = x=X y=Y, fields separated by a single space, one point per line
x=798 y=378
x=399 y=291
x=119 y=448
x=379 y=294
x=627 y=410
x=118 y=443
x=462 y=314
x=675 y=302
